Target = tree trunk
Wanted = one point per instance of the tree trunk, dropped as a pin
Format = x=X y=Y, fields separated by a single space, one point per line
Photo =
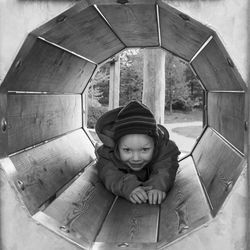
x=114 y=83
x=154 y=82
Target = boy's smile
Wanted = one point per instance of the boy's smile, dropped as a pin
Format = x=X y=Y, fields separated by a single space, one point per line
x=136 y=150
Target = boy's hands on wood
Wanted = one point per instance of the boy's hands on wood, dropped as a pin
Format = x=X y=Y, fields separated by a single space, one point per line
x=143 y=194
x=139 y=194
x=156 y=196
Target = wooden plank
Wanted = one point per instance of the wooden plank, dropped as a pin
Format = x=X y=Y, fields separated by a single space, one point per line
x=226 y=113
x=130 y=223
x=219 y=166
x=82 y=207
x=122 y=2
x=181 y=34
x=124 y=245
x=215 y=68
x=27 y=45
x=185 y=207
x=19 y=230
x=51 y=24
x=3 y=124
x=46 y=68
x=36 y=118
x=55 y=227
x=135 y=25
x=87 y=34
x=43 y=170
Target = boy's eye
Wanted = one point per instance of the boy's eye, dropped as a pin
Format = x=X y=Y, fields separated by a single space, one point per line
x=126 y=150
x=145 y=149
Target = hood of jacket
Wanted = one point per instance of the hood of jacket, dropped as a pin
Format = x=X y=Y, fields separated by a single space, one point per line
x=105 y=129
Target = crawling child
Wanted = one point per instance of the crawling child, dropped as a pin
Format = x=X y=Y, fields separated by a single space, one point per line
x=137 y=160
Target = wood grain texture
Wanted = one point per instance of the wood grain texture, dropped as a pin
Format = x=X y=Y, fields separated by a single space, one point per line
x=135 y=25
x=219 y=166
x=124 y=245
x=20 y=231
x=47 y=68
x=130 y=223
x=3 y=124
x=226 y=113
x=115 y=2
x=35 y=118
x=55 y=227
x=82 y=207
x=216 y=69
x=185 y=207
x=182 y=37
x=87 y=34
x=43 y=170
x=51 y=24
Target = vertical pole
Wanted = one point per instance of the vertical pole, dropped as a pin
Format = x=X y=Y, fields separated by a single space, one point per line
x=3 y=124
x=114 y=83
x=247 y=130
x=154 y=82
x=85 y=107
x=170 y=97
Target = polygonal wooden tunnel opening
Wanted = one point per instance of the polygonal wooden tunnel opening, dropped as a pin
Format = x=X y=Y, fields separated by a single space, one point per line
x=48 y=146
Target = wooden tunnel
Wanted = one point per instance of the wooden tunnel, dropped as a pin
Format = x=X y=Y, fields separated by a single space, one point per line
x=51 y=197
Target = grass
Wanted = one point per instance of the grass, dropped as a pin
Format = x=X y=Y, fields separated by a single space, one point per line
x=189 y=131
x=181 y=116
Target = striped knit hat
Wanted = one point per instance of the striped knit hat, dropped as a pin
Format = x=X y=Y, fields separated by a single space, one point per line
x=135 y=118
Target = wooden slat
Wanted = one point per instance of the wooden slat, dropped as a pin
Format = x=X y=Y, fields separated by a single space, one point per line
x=226 y=115
x=136 y=25
x=185 y=207
x=51 y=24
x=43 y=170
x=183 y=38
x=83 y=206
x=130 y=223
x=54 y=226
x=219 y=166
x=215 y=68
x=43 y=67
x=3 y=124
x=122 y=2
x=85 y=33
x=36 y=118
x=119 y=246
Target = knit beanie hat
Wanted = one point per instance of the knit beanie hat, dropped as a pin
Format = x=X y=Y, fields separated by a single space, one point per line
x=135 y=118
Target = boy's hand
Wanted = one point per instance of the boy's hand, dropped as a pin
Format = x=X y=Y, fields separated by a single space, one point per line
x=139 y=195
x=156 y=196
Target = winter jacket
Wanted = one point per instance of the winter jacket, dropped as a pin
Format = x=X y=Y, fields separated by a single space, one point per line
x=118 y=178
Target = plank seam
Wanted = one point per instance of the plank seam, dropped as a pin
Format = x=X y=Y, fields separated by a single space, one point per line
x=110 y=209
x=227 y=142
x=107 y=22
x=158 y=23
x=67 y=50
x=43 y=142
x=201 y=48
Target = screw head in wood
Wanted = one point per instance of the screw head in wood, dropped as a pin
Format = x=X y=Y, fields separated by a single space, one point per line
x=64 y=229
x=20 y=184
x=3 y=124
x=123 y=244
x=122 y=1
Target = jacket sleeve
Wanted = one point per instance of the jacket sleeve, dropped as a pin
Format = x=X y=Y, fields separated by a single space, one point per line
x=116 y=181
x=164 y=169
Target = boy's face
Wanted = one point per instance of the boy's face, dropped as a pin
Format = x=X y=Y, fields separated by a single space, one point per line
x=136 y=150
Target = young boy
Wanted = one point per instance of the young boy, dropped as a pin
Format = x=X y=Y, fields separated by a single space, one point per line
x=137 y=160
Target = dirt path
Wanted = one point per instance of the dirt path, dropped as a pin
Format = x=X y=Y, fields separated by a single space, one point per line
x=184 y=143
